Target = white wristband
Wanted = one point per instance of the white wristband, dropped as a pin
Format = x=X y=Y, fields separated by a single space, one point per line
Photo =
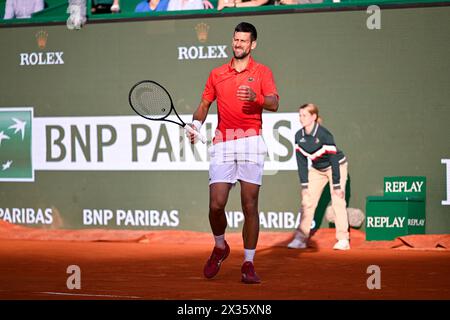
x=197 y=124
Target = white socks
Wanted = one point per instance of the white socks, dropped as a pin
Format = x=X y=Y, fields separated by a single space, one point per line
x=220 y=241
x=249 y=254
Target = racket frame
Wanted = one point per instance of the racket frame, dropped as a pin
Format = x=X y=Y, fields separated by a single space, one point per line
x=172 y=108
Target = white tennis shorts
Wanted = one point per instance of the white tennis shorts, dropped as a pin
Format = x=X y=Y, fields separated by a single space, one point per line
x=240 y=159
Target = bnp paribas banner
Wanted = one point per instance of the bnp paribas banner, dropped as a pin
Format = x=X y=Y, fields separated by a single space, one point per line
x=142 y=160
x=118 y=143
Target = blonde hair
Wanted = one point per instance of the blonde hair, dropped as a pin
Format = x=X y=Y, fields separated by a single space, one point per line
x=312 y=109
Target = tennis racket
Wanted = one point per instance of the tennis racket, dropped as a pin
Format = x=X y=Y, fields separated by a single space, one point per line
x=152 y=101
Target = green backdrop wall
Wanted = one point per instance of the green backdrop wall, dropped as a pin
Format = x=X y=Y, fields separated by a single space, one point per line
x=383 y=93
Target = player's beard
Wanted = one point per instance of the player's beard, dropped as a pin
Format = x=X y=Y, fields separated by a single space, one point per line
x=240 y=56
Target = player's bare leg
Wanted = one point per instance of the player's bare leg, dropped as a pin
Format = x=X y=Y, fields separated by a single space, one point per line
x=249 y=201
x=250 y=230
x=218 y=197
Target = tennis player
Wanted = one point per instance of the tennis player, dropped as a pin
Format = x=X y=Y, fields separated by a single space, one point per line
x=243 y=88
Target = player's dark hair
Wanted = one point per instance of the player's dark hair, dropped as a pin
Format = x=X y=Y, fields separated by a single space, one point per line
x=247 y=27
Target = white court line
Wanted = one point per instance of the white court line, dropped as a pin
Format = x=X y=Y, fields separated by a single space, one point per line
x=88 y=295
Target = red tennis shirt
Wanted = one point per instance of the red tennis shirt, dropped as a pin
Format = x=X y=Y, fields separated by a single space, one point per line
x=223 y=83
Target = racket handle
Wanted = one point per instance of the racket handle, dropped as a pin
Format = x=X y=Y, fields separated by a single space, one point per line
x=197 y=134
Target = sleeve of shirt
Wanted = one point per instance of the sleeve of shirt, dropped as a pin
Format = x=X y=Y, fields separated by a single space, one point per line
x=302 y=166
x=334 y=161
x=9 y=11
x=269 y=87
x=38 y=6
x=209 y=93
x=174 y=5
x=141 y=7
x=162 y=6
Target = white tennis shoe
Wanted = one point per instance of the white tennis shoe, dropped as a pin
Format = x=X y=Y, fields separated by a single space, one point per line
x=297 y=244
x=342 y=245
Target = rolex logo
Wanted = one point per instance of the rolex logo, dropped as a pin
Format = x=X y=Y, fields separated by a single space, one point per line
x=41 y=38
x=202 y=32
x=43 y=57
x=202 y=51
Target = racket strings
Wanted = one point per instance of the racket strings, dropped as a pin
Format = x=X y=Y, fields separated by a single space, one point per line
x=151 y=101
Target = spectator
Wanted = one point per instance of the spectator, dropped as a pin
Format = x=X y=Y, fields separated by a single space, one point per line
x=22 y=9
x=294 y=2
x=189 y=5
x=105 y=6
x=115 y=8
x=241 y=4
x=152 y=5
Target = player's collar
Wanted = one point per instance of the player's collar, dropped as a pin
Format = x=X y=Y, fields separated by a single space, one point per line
x=250 y=64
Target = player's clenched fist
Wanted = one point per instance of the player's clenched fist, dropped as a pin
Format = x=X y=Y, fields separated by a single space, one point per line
x=246 y=93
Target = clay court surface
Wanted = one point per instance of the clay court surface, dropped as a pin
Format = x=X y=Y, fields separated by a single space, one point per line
x=168 y=265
